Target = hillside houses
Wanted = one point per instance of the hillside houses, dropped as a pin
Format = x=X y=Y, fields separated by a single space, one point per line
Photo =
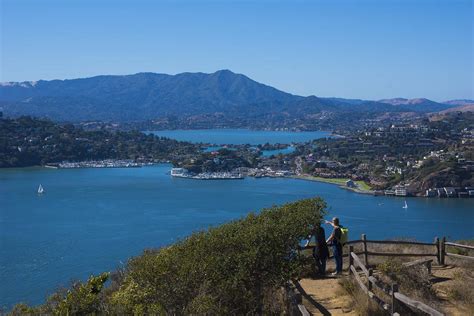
x=450 y=192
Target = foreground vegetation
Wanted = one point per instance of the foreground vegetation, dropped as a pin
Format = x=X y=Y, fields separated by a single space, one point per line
x=232 y=269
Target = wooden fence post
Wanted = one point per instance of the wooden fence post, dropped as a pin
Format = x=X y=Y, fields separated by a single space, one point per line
x=438 y=248
x=443 y=250
x=394 y=300
x=351 y=260
x=369 y=284
x=366 y=259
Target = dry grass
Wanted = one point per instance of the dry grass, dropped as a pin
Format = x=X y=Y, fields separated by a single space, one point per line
x=414 y=282
x=461 y=289
x=361 y=303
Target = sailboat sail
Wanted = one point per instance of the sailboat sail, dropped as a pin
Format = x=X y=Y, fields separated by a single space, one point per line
x=40 y=189
x=406 y=205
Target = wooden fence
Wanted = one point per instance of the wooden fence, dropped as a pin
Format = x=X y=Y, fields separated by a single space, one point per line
x=439 y=249
x=438 y=252
x=450 y=254
x=294 y=298
x=391 y=290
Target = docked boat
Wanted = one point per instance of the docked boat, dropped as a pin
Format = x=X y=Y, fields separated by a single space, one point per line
x=218 y=176
x=183 y=173
x=180 y=173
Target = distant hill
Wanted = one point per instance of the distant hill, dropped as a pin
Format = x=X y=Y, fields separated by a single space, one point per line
x=459 y=102
x=461 y=108
x=146 y=96
x=417 y=105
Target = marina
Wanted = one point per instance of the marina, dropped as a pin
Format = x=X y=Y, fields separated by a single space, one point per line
x=107 y=163
x=183 y=173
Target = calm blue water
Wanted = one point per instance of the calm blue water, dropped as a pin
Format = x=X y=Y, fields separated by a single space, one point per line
x=265 y=153
x=284 y=151
x=216 y=148
x=240 y=136
x=92 y=220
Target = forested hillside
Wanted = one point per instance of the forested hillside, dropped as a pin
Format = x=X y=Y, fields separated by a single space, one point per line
x=27 y=142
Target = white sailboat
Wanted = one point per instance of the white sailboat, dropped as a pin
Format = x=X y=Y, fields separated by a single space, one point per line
x=406 y=205
x=40 y=189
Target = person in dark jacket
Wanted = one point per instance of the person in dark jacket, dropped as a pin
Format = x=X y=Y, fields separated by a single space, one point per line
x=320 y=250
x=335 y=241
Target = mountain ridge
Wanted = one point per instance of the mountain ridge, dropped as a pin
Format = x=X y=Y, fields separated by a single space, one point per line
x=148 y=95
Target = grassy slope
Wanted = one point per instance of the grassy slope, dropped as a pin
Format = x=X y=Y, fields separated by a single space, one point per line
x=363 y=187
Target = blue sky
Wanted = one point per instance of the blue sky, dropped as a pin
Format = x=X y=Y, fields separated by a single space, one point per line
x=353 y=49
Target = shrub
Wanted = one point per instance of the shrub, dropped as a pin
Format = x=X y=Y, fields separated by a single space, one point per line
x=230 y=269
x=81 y=299
x=227 y=268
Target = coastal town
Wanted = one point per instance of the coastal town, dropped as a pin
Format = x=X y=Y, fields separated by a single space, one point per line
x=107 y=163
x=431 y=157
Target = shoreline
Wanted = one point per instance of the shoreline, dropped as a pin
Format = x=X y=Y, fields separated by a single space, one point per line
x=334 y=182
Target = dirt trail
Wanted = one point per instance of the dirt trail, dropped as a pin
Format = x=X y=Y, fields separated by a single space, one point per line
x=443 y=279
x=325 y=297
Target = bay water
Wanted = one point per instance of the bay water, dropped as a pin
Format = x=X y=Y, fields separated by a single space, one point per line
x=93 y=220
x=241 y=136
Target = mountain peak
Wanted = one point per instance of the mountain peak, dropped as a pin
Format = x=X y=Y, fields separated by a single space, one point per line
x=225 y=71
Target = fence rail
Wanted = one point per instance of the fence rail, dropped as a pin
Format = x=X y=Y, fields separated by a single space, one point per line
x=449 y=254
x=295 y=305
x=459 y=245
x=401 y=254
x=400 y=242
x=415 y=304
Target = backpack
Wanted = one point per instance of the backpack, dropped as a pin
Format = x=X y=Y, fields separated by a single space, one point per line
x=344 y=235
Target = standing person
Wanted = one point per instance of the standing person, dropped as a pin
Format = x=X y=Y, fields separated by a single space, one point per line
x=335 y=241
x=320 y=251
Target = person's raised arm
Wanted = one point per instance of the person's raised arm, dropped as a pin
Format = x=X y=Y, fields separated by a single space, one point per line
x=330 y=223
